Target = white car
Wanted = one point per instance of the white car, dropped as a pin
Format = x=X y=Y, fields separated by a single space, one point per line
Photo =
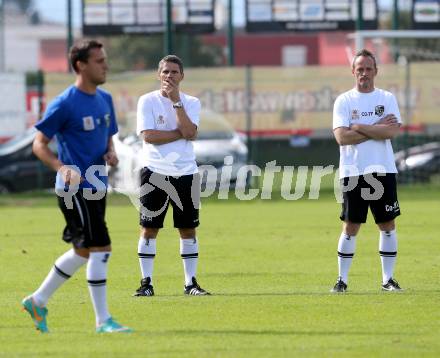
x=217 y=147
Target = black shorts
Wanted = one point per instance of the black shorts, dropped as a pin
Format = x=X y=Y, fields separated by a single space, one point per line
x=377 y=191
x=85 y=222
x=158 y=190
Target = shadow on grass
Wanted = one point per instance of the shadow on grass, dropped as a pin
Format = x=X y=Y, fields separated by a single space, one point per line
x=377 y=293
x=250 y=332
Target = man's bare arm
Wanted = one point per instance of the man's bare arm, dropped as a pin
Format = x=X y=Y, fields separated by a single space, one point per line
x=153 y=136
x=348 y=136
x=184 y=123
x=110 y=157
x=378 y=131
x=387 y=128
x=41 y=149
x=186 y=127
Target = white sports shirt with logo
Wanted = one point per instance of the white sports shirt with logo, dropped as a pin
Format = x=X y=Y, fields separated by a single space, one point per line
x=155 y=111
x=354 y=107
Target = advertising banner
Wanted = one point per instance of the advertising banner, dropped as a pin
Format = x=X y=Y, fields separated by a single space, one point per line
x=281 y=99
x=117 y=17
x=309 y=15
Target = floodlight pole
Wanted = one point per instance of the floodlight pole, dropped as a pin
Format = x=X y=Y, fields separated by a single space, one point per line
x=407 y=91
x=69 y=32
x=251 y=158
x=231 y=51
x=395 y=25
x=395 y=14
x=2 y=36
x=360 y=16
x=407 y=120
x=249 y=113
x=168 y=38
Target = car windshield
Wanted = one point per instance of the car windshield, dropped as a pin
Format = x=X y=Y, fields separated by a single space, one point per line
x=214 y=135
x=214 y=127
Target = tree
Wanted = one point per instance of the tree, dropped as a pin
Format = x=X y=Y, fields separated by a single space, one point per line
x=23 y=5
x=137 y=53
x=414 y=49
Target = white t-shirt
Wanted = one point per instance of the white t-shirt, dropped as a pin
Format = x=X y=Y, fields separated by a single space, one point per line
x=155 y=111
x=354 y=107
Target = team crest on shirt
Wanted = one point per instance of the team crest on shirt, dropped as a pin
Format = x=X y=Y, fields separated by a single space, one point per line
x=107 y=120
x=88 y=123
x=378 y=110
x=160 y=120
x=354 y=114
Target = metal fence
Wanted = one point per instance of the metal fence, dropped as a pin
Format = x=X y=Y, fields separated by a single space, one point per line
x=286 y=112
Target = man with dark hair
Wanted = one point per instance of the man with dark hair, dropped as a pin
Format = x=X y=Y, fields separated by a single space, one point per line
x=170 y=59
x=365 y=119
x=81 y=52
x=83 y=121
x=167 y=120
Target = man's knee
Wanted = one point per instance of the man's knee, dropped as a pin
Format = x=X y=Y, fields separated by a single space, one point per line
x=351 y=228
x=188 y=233
x=149 y=233
x=106 y=248
x=83 y=252
x=387 y=226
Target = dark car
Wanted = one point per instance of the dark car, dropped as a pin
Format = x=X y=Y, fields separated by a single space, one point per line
x=419 y=163
x=20 y=169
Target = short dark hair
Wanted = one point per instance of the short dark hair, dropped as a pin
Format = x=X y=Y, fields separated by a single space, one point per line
x=81 y=52
x=173 y=59
x=364 y=53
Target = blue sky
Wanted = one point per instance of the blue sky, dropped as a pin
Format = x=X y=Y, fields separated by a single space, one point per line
x=57 y=9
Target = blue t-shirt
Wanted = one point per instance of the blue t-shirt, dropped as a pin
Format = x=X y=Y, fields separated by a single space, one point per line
x=82 y=124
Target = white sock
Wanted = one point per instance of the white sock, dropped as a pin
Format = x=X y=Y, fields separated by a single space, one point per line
x=189 y=251
x=146 y=253
x=346 y=249
x=388 y=253
x=65 y=266
x=97 y=280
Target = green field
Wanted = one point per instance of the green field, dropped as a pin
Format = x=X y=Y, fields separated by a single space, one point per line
x=269 y=264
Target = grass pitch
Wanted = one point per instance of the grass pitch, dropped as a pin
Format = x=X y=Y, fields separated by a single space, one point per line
x=269 y=264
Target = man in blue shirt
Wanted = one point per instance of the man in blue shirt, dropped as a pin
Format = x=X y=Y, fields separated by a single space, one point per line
x=83 y=121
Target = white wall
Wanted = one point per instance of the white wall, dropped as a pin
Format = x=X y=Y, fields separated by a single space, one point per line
x=22 y=42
